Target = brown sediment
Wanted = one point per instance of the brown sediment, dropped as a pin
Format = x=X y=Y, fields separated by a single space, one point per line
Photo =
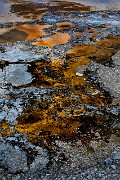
x=46 y=73
x=5 y=128
x=102 y=50
x=102 y=26
x=94 y=31
x=69 y=6
x=56 y=39
x=28 y=10
x=98 y=32
x=91 y=30
x=13 y=35
x=64 y=25
x=79 y=34
x=57 y=122
x=20 y=10
x=58 y=118
x=32 y=16
x=25 y=9
x=46 y=125
x=33 y=30
x=62 y=114
x=23 y=32
x=4 y=30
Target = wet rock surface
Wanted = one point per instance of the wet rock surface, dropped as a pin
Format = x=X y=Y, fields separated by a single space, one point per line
x=21 y=159
x=13 y=159
x=18 y=156
x=15 y=74
x=59 y=93
x=109 y=78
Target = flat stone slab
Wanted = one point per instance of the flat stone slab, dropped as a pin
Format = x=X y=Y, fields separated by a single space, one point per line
x=20 y=52
x=13 y=159
x=15 y=74
x=108 y=77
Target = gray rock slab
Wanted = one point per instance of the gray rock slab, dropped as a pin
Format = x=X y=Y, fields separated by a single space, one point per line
x=116 y=156
x=15 y=74
x=20 y=52
x=12 y=100
x=108 y=77
x=116 y=58
x=13 y=159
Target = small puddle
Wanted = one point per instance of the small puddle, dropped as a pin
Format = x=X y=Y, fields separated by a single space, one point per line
x=56 y=39
x=23 y=32
x=33 y=30
x=13 y=35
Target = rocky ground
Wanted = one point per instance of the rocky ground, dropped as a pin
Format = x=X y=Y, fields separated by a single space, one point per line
x=59 y=92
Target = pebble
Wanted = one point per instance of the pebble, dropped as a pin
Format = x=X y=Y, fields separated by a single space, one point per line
x=16 y=177
x=107 y=161
x=113 y=167
x=79 y=74
x=116 y=156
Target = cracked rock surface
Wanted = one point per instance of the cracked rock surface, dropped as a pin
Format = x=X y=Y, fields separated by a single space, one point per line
x=59 y=90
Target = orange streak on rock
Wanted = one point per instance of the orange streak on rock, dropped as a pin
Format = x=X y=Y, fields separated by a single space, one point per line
x=91 y=30
x=33 y=30
x=33 y=16
x=5 y=129
x=94 y=31
x=64 y=25
x=79 y=34
x=58 y=38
